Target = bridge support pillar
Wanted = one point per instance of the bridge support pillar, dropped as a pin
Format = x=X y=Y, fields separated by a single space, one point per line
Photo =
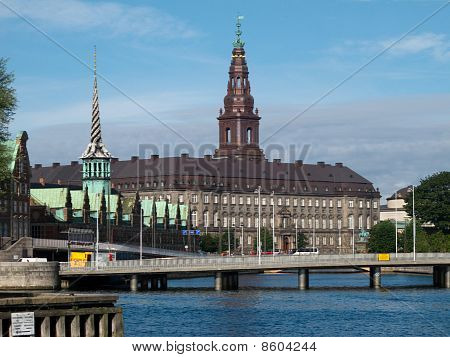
x=445 y=277
x=375 y=277
x=134 y=282
x=218 y=281
x=163 y=282
x=303 y=279
x=144 y=282
x=436 y=276
x=154 y=280
x=65 y=284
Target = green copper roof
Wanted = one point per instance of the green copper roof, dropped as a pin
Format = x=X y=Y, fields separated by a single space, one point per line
x=12 y=148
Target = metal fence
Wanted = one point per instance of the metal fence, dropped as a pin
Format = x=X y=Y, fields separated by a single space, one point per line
x=249 y=262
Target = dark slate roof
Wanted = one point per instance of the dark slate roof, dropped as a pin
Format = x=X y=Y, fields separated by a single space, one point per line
x=179 y=170
x=402 y=193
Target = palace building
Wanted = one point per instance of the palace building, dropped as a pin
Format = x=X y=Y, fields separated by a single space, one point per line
x=228 y=191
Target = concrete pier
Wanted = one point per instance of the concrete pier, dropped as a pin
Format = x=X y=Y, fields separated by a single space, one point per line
x=441 y=276
x=303 y=279
x=446 y=277
x=375 y=277
x=226 y=281
x=65 y=315
x=134 y=283
x=144 y=283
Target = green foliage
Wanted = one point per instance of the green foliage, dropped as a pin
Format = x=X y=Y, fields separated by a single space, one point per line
x=432 y=201
x=209 y=243
x=382 y=238
x=7 y=107
x=406 y=239
x=302 y=241
x=266 y=240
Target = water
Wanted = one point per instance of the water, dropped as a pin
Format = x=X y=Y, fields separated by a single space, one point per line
x=271 y=305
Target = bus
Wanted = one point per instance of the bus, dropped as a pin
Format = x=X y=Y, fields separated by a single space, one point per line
x=307 y=251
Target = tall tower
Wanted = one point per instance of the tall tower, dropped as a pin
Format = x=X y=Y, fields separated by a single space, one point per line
x=96 y=158
x=238 y=123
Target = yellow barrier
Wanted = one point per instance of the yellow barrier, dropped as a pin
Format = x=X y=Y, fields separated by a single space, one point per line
x=384 y=257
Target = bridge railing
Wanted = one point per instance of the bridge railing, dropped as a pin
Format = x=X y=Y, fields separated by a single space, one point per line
x=246 y=262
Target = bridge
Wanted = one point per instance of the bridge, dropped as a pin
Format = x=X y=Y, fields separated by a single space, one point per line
x=226 y=269
x=61 y=245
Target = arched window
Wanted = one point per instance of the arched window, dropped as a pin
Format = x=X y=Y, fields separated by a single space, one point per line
x=368 y=222
x=249 y=135
x=216 y=219
x=350 y=222
x=205 y=219
x=360 y=222
x=194 y=218
x=238 y=82
x=228 y=135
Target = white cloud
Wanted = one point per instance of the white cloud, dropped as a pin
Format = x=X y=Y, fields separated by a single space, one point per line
x=435 y=45
x=108 y=17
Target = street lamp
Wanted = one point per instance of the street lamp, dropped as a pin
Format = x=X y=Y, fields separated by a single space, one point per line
x=242 y=239
x=272 y=196
x=396 y=227
x=296 y=234
x=414 y=226
x=140 y=234
x=258 y=190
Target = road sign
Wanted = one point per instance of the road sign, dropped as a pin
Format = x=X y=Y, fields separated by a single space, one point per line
x=192 y=232
x=22 y=323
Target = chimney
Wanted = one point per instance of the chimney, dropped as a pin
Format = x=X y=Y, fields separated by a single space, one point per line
x=298 y=162
x=339 y=164
x=185 y=155
x=155 y=157
x=55 y=164
x=208 y=157
x=42 y=181
x=321 y=163
x=134 y=158
x=37 y=166
x=74 y=163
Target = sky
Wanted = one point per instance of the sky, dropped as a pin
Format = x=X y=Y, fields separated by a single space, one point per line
x=366 y=83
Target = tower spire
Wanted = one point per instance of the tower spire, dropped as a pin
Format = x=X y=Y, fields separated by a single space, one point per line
x=239 y=122
x=96 y=148
x=238 y=43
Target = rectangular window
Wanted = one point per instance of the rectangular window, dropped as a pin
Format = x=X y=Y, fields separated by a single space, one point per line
x=233 y=221
x=309 y=202
x=287 y=202
x=317 y=203
x=271 y=201
x=302 y=223
x=324 y=223
x=194 y=198
x=324 y=240
x=324 y=203
x=233 y=200
x=375 y=204
x=216 y=199
x=249 y=240
x=316 y=222
x=263 y=201
x=330 y=223
x=360 y=204
x=317 y=241
x=241 y=200
x=295 y=202
x=249 y=200
x=302 y=202
x=206 y=198
x=331 y=240
x=339 y=203
x=225 y=200
x=249 y=222
x=181 y=198
x=225 y=221
x=264 y=222
x=339 y=223
x=350 y=204
x=309 y=223
x=256 y=201
x=241 y=221
x=330 y=203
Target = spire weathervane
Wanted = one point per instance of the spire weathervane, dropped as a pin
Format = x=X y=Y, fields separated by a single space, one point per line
x=238 y=43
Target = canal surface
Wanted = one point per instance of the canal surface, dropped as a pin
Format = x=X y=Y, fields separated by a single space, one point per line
x=270 y=305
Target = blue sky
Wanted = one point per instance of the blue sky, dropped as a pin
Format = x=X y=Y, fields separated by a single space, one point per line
x=390 y=122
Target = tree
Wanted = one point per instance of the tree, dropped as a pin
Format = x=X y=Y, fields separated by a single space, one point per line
x=432 y=200
x=209 y=243
x=382 y=238
x=7 y=106
x=406 y=239
x=266 y=240
x=302 y=241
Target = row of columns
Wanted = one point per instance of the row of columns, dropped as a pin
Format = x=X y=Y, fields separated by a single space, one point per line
x=145 y=282
x=226 y=280
x=441 y=276
x=80 y=325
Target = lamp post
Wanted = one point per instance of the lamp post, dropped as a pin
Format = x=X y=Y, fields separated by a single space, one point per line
x=242 y=239
x=353 y=237
x=97 y=241
x=396 y=227
x=414 y=226
x=140 y=234
x=272 y=196
x=296 y=235
x=258 y=190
